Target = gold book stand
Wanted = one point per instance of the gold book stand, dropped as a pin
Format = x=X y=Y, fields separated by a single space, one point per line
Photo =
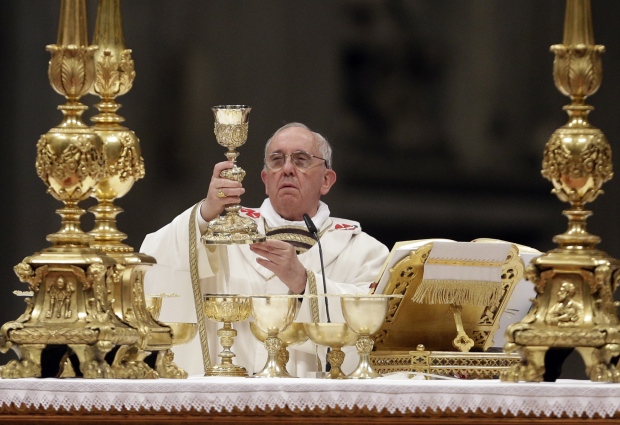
x=429 y=338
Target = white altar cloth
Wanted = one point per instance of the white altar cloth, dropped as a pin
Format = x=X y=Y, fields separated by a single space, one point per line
x=565 y=398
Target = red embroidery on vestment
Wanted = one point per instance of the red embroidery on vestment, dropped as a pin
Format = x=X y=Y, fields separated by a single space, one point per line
x=250 y=212
x=345 y=227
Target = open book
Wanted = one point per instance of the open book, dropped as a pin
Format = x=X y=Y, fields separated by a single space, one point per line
x=429 y=314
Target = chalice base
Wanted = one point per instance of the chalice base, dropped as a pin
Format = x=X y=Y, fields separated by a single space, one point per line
x=364 y=369
x=273 y=370
x=232 y=229
x=226 y=370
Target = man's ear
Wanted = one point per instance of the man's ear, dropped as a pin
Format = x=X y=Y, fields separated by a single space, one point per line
x=263 y=176
x=329 y=178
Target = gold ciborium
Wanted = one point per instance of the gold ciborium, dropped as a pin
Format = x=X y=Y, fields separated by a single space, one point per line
x=273 y=314
x=335 y=336
x=231 y=131
x=294 y=334
x=364 y=314
x=226 y=309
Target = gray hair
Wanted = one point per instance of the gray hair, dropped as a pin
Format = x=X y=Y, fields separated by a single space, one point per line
x=324 y=147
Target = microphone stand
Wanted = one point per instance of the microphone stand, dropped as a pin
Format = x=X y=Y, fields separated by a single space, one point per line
x=312 y=229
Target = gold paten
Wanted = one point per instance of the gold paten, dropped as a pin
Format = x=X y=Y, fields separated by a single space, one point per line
x=435 y=325
x=231 y=131
x=574 y=306
x=226 y=309
x=87 y=307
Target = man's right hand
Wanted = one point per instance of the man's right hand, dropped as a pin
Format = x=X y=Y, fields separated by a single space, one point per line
x=213 y=204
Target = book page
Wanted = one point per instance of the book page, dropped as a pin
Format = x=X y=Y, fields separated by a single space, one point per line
x=399 y=251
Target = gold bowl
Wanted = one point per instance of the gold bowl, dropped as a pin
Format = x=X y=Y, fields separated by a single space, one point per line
x=182 y=333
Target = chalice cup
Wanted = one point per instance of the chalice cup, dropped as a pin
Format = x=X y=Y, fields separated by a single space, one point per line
x=292 y=335
x=364 y=314
x=335 y=336
x=226 y=309
x=231 y=131
x=273 y=314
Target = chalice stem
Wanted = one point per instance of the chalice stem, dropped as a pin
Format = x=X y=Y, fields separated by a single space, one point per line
x=227 y=338
x=364 y=368
x=335 y=357
x=272 y=368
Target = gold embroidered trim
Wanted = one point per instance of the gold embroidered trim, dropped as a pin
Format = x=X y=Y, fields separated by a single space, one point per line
x=293 y=237
x=314 y=301
x=271 y=229
x=193 y=268
x=458 y=292
x=465 y=262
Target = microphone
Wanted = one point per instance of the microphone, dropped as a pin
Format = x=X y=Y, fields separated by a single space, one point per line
x=312 y=229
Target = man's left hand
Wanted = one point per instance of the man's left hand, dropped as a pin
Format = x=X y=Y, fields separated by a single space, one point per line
x=280 y=258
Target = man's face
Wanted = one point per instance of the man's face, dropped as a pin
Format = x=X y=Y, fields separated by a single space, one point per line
x=294 y=192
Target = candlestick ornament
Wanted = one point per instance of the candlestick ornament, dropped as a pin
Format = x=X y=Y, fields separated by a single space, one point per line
x=574 y=307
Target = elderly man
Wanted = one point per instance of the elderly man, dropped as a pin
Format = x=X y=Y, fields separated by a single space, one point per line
x=297 y=172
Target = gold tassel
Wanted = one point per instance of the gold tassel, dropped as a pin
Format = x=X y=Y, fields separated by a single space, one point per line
x=459 y=292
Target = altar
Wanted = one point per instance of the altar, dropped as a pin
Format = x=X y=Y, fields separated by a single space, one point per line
x=246 y=400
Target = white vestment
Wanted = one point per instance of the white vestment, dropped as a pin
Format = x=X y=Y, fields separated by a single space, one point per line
x=352 y=261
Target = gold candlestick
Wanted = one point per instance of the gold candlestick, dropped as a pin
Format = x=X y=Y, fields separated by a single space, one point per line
x=574 y=307
x=121 y=147
x=69 y=159
x=87 y=306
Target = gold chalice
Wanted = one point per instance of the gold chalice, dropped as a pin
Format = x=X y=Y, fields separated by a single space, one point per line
x=335 y=336
x=294 y=334
x=226 y=309
x=273 y=314
x=231 y=131
x=364 y=314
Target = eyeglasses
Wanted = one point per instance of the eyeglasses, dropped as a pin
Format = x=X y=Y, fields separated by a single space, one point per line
x=302 y=160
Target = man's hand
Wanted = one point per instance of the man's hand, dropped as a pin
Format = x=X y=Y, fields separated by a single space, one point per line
x=229 y=192
x=280 y=258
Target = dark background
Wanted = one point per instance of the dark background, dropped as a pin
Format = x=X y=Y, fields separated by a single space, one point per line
x=438 y=111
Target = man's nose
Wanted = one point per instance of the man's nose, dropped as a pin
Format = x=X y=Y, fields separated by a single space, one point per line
x=288 y=166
